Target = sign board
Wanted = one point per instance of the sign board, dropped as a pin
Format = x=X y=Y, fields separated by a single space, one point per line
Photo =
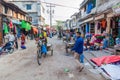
x=116 y=8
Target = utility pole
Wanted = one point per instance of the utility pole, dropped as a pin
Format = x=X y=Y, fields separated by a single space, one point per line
x=50 y=12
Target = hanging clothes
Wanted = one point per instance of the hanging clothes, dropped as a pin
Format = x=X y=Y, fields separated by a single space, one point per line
x=11 y=24
x=112 y=23
x=98 y=25
x=5 y=28
x=94 y=3
x=14 y=30
x=103 y=23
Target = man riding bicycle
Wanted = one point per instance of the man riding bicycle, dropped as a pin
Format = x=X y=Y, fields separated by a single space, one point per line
x=42 y=42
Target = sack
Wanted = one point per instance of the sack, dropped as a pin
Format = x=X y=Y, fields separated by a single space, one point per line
x=44 y=49
x=23 y=47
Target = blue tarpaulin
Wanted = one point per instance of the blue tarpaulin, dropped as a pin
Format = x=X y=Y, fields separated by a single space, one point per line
x=89 y=7
x=87 y=28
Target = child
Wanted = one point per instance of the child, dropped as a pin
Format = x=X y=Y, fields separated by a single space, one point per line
x=23 y=41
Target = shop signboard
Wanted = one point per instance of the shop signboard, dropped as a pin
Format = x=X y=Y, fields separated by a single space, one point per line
x=116 y=8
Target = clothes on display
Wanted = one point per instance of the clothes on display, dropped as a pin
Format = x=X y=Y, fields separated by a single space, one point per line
x=98 y=25
x=5 y=27
x=104 y=24
x=10 y=24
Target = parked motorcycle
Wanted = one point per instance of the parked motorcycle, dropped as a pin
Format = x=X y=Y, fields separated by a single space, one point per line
x=7 y=48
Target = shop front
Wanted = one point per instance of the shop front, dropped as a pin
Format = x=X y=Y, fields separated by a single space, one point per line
x=100 y=24
x=116 y=20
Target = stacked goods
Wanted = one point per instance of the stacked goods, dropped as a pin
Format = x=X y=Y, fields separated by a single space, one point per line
x=99 y=38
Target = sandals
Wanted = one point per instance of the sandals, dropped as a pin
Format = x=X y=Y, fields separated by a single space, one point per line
x=81 y=69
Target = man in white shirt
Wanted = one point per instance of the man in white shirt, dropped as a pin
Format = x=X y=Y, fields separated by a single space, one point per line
x=10 y=37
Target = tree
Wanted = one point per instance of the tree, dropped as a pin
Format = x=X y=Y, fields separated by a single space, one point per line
x=60 y=24
x=46 y=25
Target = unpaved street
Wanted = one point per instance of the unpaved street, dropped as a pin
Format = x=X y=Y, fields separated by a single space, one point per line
x=22 y=65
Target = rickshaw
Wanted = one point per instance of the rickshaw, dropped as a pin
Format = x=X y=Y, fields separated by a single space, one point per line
x=68 y=45
x=39 y=50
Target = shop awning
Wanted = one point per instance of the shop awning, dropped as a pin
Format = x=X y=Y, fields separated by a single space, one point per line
x=87 y=20
x=16 y=22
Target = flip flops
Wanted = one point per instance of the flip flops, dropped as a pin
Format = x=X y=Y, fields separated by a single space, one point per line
x=81 y=69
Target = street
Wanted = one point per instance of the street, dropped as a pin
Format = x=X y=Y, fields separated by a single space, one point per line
x=22 y=65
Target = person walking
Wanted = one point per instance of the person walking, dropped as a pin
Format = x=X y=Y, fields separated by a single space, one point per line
x=68 y=37
x=78 y=50
x=22 y=39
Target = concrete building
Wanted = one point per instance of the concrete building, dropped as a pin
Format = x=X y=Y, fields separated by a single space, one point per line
x=10 y=18
x=75 y=23
x=74 y=20
x=34 y=8
x=68 y=24
x=94 y=11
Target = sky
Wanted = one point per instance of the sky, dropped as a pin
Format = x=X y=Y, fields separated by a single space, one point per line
x=63 y=13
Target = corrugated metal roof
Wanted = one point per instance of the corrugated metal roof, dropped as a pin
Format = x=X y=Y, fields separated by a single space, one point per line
x=107 y=5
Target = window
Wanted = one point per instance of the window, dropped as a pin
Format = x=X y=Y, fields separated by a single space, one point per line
x=28 y=6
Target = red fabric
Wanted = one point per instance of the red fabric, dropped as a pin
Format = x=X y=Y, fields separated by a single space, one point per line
x=105 y=60
x=35 y=30
x=11 y=24
x=103 y=23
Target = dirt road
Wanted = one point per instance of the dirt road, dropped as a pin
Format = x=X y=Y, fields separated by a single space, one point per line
x=22 y=65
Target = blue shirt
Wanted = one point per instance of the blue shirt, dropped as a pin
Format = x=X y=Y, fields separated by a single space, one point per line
x=78 y=47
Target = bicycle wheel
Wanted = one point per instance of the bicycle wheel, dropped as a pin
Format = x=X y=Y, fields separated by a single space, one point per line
x=11 y=51
x=39 y=56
